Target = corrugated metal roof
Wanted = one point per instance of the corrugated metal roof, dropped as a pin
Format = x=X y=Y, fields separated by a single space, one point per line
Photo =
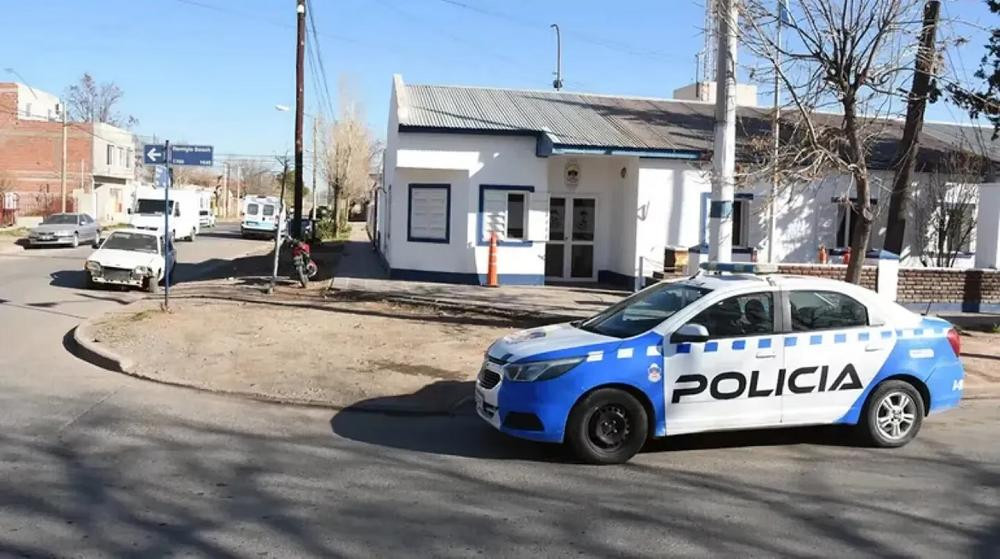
x=604 y=121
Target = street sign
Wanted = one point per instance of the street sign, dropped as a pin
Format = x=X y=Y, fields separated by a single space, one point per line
x=191 y=155
x=154 y=154
x=160 y=176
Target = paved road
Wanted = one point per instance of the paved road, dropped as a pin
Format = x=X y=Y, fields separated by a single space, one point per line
x=93 y=463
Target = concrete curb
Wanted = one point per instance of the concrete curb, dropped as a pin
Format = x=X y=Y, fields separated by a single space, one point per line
x=93 y=352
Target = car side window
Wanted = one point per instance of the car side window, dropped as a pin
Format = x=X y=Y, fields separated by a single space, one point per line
x=823 y=310
x=743 y=315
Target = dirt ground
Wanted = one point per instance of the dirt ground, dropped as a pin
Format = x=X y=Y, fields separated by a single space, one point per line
x=340 y=353
x=981 y=356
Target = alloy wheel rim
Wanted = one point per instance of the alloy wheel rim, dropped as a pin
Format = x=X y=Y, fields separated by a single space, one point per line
x=895 y=416
x=610 y=427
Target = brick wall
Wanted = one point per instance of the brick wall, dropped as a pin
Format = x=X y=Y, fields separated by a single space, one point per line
x=943 y=285
x=869 y=274
x=31 y=157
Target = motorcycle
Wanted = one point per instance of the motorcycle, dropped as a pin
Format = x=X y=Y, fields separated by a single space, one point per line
x=305 y=268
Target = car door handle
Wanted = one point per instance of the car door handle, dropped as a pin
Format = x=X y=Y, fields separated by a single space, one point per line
x=766 y=354
x=873 y=347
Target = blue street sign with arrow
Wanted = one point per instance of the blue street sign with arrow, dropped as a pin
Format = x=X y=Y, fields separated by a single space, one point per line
x=154 y=154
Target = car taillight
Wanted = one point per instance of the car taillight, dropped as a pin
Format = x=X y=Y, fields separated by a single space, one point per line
x=955 y=341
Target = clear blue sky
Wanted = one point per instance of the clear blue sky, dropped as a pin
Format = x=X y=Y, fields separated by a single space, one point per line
x=211 y=71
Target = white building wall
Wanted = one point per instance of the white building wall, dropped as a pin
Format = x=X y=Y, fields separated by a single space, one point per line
x=35 y=104
x=988 y=227
x=465 y=161
x=119 y=161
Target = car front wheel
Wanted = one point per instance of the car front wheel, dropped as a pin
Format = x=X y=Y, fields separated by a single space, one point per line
x=608 y=426
x=893 y=414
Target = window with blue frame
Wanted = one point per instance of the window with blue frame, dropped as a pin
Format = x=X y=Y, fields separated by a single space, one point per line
x=429 y=216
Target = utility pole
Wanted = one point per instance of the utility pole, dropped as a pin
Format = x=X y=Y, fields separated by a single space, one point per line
x=772 y=221
x=916 y=104
x=225 y=187
x=558 y=83
x=62 y=179
x=720 y=246
x=300 y=49
x=315 y=161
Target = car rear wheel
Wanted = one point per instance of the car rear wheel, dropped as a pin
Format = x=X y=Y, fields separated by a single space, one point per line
x=893 y=414
x=609 y=426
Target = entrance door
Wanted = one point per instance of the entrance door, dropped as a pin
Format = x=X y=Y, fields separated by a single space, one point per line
x=569 y=254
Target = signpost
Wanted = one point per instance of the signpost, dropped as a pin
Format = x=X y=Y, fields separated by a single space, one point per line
x=163 y=156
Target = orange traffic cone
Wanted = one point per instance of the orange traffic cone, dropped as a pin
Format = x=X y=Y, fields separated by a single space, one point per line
x=491 y=270
x=847 y=256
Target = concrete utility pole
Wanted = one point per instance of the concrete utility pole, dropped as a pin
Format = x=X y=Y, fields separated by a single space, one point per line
x=225 y=187
x=772 y=221
x=62 y=178
x=300 y=49
x=558 y=83
x=916 y=104
x=724 y=160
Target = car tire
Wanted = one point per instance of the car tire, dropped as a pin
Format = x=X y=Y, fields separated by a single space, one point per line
x=151 y=285
x=76 y=240
x=608 y=426
x=893 y=414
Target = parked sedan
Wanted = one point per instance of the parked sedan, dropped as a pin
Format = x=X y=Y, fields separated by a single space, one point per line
x=65 y=229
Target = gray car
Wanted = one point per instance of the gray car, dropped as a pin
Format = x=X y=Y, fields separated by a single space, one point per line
x=65 y=229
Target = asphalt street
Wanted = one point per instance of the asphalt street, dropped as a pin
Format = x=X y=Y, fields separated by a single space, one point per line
x=94 y=463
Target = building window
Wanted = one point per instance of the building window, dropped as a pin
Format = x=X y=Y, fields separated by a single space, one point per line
x=429 y=218
x=741 y=223
x=504 y=211
x=847 y=221
x=515 y=216
x=110 y=154
x=959 y=225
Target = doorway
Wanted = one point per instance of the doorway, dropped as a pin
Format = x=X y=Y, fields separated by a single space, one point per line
x=569 y=254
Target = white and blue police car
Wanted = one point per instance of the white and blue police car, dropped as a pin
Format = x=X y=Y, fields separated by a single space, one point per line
x=733 y=347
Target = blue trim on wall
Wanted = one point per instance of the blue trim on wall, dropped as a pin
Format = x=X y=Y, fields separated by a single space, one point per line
x=464 y=277
x=447 y=216
x=967 y=306
x=480 y=241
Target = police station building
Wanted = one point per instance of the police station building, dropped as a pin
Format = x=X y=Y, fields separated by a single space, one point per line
x=589 y=188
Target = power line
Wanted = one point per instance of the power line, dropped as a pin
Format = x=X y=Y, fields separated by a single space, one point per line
x=319 y=57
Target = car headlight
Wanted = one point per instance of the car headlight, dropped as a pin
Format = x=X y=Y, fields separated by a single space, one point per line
x=93 y=266
x=141 y=271
x=540 y=370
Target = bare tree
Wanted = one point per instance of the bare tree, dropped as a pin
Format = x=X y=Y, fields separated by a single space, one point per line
x=256 y=177
x=945 y=208
x=349 y=154
x=848 y=56
x=89 y=101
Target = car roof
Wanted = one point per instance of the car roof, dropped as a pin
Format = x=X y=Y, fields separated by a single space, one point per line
x=733 y=281
x=137 y=232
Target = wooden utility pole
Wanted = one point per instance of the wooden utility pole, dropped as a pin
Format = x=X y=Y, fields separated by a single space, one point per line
x=300 y=49
x=720 y=246
x=916 y=104
x=315 y=161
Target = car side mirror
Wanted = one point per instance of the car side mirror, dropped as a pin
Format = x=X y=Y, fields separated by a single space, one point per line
x=690 y=333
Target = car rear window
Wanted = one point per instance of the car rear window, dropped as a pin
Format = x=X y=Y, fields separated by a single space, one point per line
x=252 y=209
x=822 y=310
x=268 y=211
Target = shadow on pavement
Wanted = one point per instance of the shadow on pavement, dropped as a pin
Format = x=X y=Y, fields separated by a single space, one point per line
x=459 y=433
x=69 y=278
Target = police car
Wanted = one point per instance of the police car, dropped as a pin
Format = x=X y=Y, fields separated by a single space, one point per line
x=733 y=347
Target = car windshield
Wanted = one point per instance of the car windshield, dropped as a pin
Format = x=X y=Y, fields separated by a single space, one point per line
x=151 y=206
x=60 y=219
x=138 y=242
x=644 y=310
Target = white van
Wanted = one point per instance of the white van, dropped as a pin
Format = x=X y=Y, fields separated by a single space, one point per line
x=262 y=216
x=147 y=212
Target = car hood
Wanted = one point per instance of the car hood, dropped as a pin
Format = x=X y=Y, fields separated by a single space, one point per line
x=114 y=258
x=53 y=228
x=547 y=339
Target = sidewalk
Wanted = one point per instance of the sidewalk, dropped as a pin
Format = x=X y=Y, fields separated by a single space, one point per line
x=361 y=275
